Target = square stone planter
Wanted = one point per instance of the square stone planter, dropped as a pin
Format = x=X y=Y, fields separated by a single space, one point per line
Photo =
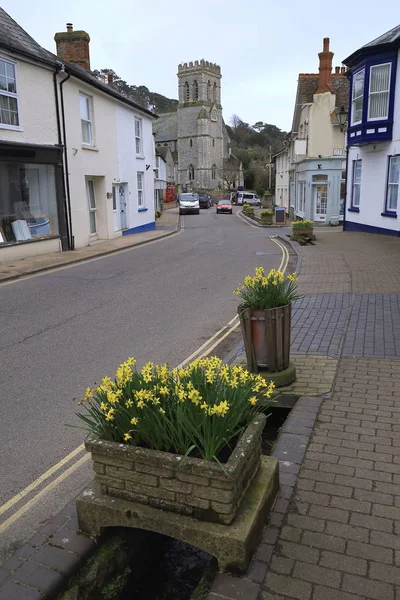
x=192 y=487
x=299 y=233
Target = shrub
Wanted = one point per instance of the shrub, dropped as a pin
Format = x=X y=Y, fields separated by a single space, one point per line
x=158 y=214
x=201 y=408
x=262 y=291
x=302 y=223
x=267 y=213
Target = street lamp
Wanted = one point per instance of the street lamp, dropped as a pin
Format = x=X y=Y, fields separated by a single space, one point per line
x=342 y=117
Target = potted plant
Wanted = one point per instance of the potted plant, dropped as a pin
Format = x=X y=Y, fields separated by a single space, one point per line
x=267 y=217
x=265 y=318
x=187 y=440
x=302 y=230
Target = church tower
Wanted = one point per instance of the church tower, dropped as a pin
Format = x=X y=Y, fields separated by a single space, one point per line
x=200 y=126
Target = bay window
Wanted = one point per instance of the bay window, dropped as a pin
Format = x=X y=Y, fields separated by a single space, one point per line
x=393 y=184
x=357 y=97
x=379 y=84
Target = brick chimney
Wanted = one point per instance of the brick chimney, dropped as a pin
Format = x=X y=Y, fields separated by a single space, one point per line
x=73 y=47
x=325 y=69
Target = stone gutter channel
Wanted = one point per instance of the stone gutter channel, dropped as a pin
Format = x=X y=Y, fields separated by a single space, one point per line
x=61 y=563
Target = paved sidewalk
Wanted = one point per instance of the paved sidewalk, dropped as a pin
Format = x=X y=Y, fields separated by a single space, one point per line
x=334 y=533
x=165 y=226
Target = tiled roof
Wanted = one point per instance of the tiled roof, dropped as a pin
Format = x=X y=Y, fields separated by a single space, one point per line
x=166 y=127
x=15 y=38
x=387 y=38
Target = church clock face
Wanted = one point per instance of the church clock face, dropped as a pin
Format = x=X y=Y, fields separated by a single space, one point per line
x=214 y=114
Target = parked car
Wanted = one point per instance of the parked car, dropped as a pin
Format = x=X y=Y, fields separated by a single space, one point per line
x=224 y=206
x=248 y=198
x=205 y=201
x=189 y=203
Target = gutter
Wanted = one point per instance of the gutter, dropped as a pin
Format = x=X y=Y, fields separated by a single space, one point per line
x=71 y=241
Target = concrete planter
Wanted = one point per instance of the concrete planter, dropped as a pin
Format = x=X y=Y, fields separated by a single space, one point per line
x=194 y=487
x=299 y=233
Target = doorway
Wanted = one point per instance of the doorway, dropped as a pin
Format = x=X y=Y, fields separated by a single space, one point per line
x=119 y=206
x=320 y=197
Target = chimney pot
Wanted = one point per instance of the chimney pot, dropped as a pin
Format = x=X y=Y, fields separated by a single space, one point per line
x=325 y=69
x=343 y=70
x=337 y=70
x=70 y=27
x=326 y=45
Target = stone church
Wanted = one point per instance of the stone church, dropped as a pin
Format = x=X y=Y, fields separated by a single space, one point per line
x=196 y=132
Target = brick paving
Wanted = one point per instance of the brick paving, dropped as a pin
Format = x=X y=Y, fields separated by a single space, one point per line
x=337 y=536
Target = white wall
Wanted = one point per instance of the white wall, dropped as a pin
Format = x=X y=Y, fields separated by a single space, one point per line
x=282 y=180
x=323 y=136
x=36 y=103
x=374 y=174
x=99 y=162
x=129 y=163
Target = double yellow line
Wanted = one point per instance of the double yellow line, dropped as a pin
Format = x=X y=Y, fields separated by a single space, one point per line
x=204 y=350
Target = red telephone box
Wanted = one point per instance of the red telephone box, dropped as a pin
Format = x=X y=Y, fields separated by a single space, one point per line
x=170 y=193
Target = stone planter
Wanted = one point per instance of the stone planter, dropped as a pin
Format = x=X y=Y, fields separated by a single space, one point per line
x=266 y=335
x=192 y=487
x=300 y=233
x=266 y=220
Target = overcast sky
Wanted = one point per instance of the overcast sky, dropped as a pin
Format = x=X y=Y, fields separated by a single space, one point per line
x=260 y=45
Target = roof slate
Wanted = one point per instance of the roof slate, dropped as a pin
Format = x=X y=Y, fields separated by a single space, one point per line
x=387 y=38
x=166 y=127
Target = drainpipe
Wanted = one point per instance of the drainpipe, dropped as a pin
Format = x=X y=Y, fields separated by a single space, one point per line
x=71 y=241
x=60 y=144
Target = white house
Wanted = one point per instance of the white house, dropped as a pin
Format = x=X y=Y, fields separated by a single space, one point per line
x=76 y=156
x=373 y=180
x=314 y=156
x=160 y=177
x=109 y=147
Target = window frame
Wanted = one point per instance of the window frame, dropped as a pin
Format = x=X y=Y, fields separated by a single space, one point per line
x=140 y=189
x=139 y=138
x=191 y=172
x=89 y=100
x=373 y=66
x=13 y=95
x=92 y=209
x=392 y=211
x=214 y=172
x=362 y=96
x=354 y=184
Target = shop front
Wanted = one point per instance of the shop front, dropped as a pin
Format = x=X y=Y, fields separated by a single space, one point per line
x=32 y=213
x=319 y=185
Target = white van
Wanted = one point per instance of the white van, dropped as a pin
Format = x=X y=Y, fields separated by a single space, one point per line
x=248 y=198
x=189 y=203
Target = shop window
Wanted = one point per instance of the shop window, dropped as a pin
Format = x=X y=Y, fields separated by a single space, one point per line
x=8 y=95
x=28 y=202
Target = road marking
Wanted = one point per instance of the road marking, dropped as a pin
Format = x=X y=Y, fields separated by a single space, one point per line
x=95 y=258
x=201 y=352
x=40 y=479
x=239 y=216
x=6 y=524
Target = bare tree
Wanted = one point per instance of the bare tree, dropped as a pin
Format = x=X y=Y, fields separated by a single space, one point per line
x=236 y=122
x=231 y=173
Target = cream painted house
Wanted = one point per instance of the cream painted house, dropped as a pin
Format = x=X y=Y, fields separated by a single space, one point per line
x=77 y=157
x=315 y=149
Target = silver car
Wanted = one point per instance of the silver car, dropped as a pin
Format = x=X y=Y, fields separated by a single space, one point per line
x=189 y=204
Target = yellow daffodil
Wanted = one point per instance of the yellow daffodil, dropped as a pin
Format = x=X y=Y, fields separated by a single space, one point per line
x=253 y=400
x=164 y=391
x=103 y=406
x=88 y=395
x=129 y=403
x=127 y=436
x=140 y=404
x=134 y=421
x=162 y=411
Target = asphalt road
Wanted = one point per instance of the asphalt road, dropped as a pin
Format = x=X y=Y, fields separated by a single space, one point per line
x=62 y=331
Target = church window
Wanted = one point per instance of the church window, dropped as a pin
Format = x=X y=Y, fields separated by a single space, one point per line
x=191 y=143
x=213 y=143
x=215 y=92
x=195 y=90
x=186 y=92
x=213 y=172
x=209 y=90
x=191 y=172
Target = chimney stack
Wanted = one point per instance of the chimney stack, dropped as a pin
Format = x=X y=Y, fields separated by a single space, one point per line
x=110 y=78
x=325 y=69
x=73 y=47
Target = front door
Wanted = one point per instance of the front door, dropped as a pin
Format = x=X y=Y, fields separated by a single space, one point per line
x=119 y=206
x=320 y=202
x=122 y=204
